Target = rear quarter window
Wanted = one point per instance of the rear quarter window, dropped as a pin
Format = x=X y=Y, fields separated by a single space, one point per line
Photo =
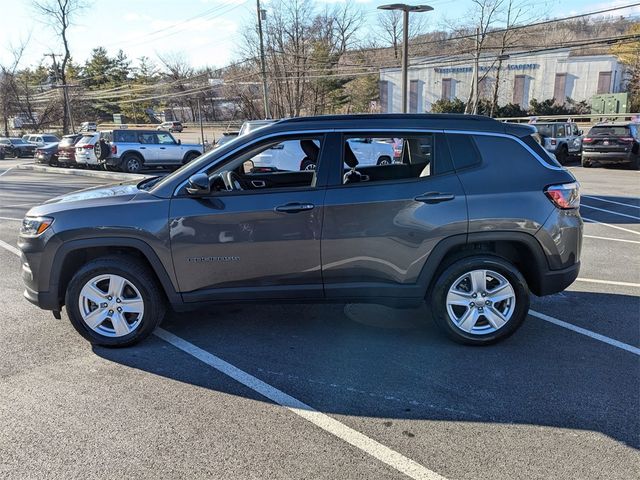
x=510 y=149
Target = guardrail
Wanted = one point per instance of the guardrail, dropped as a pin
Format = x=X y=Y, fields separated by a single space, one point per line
x=224 y=126
x=590 y=118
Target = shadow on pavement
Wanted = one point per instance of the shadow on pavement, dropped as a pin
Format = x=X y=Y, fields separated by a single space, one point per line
x=543 y=375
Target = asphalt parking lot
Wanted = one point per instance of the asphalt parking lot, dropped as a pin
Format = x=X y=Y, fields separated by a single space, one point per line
x=332 y=391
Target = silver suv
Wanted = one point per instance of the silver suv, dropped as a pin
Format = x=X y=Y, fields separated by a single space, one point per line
x=130 y=150
x=563 y=139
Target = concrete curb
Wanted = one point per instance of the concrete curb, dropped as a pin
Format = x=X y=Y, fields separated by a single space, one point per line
x=81 y=173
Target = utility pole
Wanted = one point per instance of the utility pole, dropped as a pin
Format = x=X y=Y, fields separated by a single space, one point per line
x=265 y=90
x=476 y=74
x=405 y=41
x=66 y=111
x=201 y=127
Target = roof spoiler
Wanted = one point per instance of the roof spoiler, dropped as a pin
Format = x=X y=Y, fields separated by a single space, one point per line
x=519 y=130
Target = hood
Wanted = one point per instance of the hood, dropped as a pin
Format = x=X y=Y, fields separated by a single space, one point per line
x=120 y=192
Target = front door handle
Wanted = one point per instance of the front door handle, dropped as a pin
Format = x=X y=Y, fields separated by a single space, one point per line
x=295 y=207
x=163 y=148
x=143 y=148
x=435 y=197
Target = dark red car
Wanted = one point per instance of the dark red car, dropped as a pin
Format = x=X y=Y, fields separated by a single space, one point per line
x=67 y=149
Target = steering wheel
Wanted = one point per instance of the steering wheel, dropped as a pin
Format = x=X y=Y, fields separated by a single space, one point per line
x=232 y=181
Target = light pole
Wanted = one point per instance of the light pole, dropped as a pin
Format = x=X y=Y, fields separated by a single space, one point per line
x=405 y=40
x=265 y=89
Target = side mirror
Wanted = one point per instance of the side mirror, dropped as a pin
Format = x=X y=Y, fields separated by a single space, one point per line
x=199 y=185
x=580 y=132
x=179 y=142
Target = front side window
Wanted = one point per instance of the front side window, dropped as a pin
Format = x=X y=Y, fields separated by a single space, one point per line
x=380 y=158
x=165 y=138
x=562 y=131
x=148 y=138
x=276 y=164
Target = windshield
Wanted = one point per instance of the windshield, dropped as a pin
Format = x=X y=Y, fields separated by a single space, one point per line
x=66 y=141
x=605 y=130
x=86 y=139
x=50 y=138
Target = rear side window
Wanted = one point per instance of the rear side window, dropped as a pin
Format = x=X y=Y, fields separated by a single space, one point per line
x=464 y=152
x=507 y=148
x=125 y=137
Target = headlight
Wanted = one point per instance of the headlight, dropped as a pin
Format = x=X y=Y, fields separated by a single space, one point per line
x=34 y=226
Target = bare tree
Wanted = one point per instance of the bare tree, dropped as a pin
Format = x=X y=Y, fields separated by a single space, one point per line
x=59 y=15
x=390 y=23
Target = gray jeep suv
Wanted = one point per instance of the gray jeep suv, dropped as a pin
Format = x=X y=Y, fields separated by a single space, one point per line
x=472 y=225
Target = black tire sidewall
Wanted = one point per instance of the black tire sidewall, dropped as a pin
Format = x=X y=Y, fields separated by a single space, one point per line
x=438 y=296
x=154 y=305
x=385 y=159
x=563 y=155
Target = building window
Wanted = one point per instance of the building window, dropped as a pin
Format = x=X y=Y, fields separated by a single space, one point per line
x=518 y=90
x=604 y=82
x=560 y=88
x=414 y=95
x=384 y=96
x=485 y=87
x=447 y=88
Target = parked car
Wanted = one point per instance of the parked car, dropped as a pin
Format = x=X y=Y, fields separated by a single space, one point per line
x=226 y=138
x=16 y=147
x=85 y=149
x=130 y=150
x=2 y=154
x=472 y=228
x=40 y=140
x=171 y=126
x=563 y=139
x=251 y=125
x=67 y=149
x=612 y=143
x=47 y=154
x=88 y=127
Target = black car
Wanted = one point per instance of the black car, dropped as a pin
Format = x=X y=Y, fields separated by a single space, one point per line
x=472 y=226
x=16 y=147
x=612 y=143
x=47 y=154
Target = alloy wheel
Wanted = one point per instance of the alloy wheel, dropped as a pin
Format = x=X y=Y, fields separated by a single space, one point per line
x=111 y=305
x=481 y=302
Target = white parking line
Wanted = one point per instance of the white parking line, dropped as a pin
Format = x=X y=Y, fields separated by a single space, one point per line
x=609 y=282
x=9 y=247
x=588 y=333
x=392 y=458
x=610 y=201
x=11 y=218
x=609 y=225
x=611 y=239
x=6 y=171
x=610 y=211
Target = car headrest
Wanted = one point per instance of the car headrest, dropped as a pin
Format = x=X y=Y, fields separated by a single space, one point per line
x=350 y=157
x=310 y=149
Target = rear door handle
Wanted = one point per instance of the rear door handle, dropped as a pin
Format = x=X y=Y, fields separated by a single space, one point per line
x=162 y=148
x=295 y=207
x=143 y=148
x=435 y=197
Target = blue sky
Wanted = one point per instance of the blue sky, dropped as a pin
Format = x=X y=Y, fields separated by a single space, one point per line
x=207 y=32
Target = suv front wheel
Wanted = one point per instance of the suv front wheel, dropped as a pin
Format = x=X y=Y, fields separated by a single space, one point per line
x=114 y=301
x=480 y=300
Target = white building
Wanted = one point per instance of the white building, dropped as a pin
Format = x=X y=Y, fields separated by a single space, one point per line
x=557 y=74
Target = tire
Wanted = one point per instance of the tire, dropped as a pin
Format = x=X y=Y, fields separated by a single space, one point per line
x=635 y=163
x=140 y=289
x=189 y=156
x=131 y=163
x=563 y=154
x=483 y=330
x=384 y=160
x=307 y=164
x=102 y=153
x=586 y=163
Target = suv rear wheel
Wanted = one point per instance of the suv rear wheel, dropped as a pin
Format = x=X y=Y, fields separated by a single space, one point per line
x=131 y=163
x=114 y=301
x=480 y=300
x=563 y=154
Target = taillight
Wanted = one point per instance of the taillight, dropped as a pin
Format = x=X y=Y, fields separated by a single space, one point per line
x=88 y=146
x=553 y=141
x=626 y=139
x=114 y=149
x=587 y=140
x=565 y=195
